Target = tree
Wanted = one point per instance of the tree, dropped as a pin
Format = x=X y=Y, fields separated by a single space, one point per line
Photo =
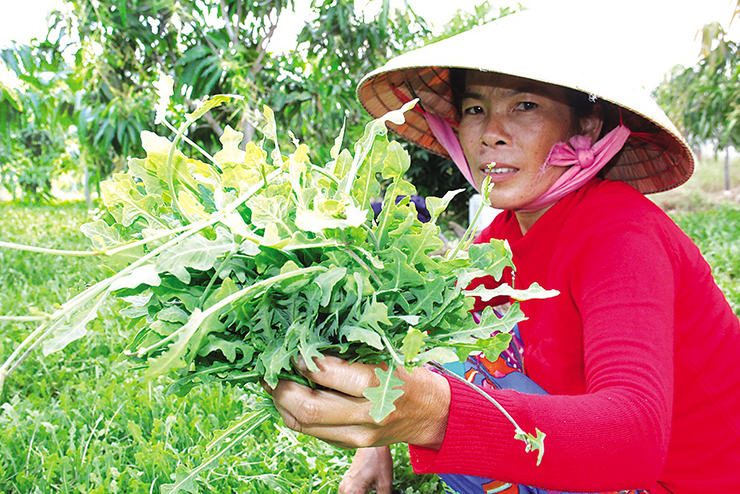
x=704 y=100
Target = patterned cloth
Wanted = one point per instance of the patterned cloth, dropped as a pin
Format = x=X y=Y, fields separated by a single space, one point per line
x=504 y=373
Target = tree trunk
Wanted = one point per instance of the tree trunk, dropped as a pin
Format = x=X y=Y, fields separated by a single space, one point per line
x=86 y=185
x=727 y=169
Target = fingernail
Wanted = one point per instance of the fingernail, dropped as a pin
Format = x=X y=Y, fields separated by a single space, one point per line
x=300 y=364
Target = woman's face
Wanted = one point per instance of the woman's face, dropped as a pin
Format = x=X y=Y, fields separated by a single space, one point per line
x=512 y=123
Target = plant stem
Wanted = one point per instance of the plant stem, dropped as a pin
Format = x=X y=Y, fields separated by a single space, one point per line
x=391 y=350
x=24 y=318
x=43 y=250
x=488 y=397
x=194 y=145
x=215 y=275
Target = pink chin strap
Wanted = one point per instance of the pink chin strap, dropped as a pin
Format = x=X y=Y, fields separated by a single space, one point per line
x=582 y=160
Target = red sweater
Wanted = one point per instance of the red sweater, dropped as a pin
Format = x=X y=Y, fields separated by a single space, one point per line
x=639 y=353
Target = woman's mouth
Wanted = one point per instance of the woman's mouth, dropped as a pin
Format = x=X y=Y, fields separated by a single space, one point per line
x=494 y=169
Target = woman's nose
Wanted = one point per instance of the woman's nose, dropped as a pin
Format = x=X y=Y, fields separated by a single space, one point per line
x=494 y=132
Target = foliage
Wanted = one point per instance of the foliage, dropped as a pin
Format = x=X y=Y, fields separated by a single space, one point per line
x=716 y=233
x=34 y=131
x=703 y=100
x=84 y=421
x=104 y=55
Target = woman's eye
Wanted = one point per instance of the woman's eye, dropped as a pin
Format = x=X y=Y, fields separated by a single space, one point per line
x=526 y=105
x=473 y=110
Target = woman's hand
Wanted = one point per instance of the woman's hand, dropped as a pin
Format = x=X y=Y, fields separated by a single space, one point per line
x=340 y=415
x=372 y=468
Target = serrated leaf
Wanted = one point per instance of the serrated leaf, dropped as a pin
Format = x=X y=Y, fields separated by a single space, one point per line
x=535 y=291
x=102 y=235
x=327 y=281
x=397 y=161
x=173 y=314
x=228 y=348
x=230 y=151
x=491 y=347
x=194 y=252
x=437 y=206
x=127 y=204
x=375 y=314
x=362 y=335
x=268 y=211
x=329 y=214
x=383 y=396
x=534 y=443
x=398 y=272
x=441 y=355
x=489 y=259
x=489 y=324
x=185 y=344
x=275 y=360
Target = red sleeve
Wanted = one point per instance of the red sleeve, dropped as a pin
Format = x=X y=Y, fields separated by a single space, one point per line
x=622 y=281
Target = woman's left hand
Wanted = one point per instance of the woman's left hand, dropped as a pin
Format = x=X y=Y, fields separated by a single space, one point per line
x=340 y=414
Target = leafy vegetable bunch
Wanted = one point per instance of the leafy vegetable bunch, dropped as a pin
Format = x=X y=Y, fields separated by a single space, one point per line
x=233 y=266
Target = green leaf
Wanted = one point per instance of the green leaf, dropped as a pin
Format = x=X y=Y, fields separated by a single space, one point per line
x=439 y=354
x=491 y=347
x=489 y=259
x=535 y=291
x=229 y=349
x=397 y=162
x=195 y=252
x=127 y=204
x=398 y=272
x=375 y=314
x=437 y=206
x=489 y=324
x=412 y=344
x=230 y=151
x=383 y=396
x=207 y=106
x=326 y=281
x=102 y=235
x=185 y=345
x=143 y=275
x=359 y=334
x=533 y=443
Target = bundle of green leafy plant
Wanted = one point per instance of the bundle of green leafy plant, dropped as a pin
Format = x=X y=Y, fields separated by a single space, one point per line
x=233 y=266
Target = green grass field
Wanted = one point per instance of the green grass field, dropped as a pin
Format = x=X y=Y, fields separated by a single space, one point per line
x=83 y=421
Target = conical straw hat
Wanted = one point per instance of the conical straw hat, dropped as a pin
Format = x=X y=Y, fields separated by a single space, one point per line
x=533 y=45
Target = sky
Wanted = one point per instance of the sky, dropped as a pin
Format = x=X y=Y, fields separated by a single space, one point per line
x=668 y=27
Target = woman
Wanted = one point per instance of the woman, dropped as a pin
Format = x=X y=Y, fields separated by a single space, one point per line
x=637 y=352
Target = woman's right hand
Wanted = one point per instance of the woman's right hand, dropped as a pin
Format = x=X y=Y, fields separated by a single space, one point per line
x=372 y=468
